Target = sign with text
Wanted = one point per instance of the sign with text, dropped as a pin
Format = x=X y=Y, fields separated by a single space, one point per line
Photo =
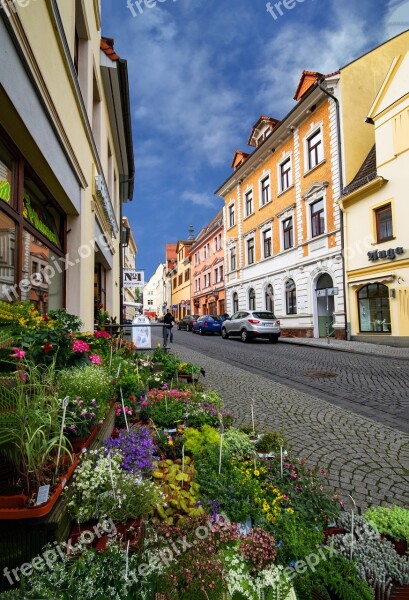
x=141 y=335
x=134 y=278
x=327 y=292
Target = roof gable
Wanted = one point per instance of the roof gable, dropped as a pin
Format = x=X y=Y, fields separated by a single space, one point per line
x=394 y=86
x=308 y=78
x=239 y=158
x=262 y=129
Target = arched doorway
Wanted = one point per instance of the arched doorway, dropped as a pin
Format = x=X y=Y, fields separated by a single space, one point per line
x=325 y=306
x=269 y=298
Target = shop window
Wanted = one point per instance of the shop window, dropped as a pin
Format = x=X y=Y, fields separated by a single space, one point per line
x=7 y=257
x=373 y=307
x=40 y=213
x=6 y=172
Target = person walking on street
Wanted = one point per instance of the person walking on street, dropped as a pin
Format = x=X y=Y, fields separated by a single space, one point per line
x=169 y=321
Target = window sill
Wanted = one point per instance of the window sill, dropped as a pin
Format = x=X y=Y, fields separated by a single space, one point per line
x=314 y=168
x=291 y=187
x=248 y=216
x=261 y=206
x=383 y=241
x=231 y=227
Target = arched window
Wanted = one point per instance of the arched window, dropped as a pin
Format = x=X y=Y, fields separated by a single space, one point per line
x=291 y=297
x=373 y=306
x=235 y=302
x=269 y=298
x=252 y=299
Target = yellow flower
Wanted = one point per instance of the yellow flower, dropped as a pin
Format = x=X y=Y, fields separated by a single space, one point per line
x=256 y=472
x=290 y=510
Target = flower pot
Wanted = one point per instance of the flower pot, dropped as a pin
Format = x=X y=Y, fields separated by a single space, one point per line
x=400 y=592
x=330 y=531
x=15 y=507
x=401 y=546
x=130 y=531
x=79 y=443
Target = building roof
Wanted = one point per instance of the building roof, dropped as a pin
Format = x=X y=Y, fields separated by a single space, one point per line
x=107 y=46
x=308 y=78
x=263 y=119
x=239 y=158
x=366 y=173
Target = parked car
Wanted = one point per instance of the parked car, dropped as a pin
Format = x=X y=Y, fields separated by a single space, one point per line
x=187 y=322
x=207 y=324
x=250 y=324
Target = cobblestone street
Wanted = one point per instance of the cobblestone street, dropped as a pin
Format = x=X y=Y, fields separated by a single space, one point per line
x=366 y=459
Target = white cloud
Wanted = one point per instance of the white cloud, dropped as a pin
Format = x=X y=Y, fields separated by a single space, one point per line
x=200 y=199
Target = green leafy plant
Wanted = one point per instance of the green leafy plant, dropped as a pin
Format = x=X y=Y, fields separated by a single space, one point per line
x=89 y=382
x=270 y=442
x=201 y=442
x=237 y=444
x=297 y=538
x=393 y=521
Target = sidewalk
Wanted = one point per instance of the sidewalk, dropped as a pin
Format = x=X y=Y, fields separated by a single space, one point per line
x=344 y=346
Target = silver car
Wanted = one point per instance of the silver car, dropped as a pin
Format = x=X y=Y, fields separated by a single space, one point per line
x=250 y=324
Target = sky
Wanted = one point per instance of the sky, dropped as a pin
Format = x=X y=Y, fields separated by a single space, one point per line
x=201 y=72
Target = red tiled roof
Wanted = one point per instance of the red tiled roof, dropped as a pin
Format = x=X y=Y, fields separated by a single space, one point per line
x=273 y=122
x=308 y=78
x=107 y=47
x=239 y=158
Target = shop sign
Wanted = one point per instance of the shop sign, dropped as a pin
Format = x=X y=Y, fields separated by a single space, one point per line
x=103 y=193
x=390 y=254
x=4 y=190
x=134 y=278
x=327 y=292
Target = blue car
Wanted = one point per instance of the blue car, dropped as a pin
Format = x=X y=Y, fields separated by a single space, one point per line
x=208 y=324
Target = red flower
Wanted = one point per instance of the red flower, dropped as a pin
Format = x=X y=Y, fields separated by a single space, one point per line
x=46 y=317
x=47 y=347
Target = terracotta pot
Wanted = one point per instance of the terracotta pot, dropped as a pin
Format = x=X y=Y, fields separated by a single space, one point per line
x=333 y=531
x=400 y=592
x=401 y=546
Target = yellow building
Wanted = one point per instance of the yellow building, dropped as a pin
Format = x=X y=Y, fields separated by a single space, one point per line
x=66 y=158
x=180 y=278
x=376 y=213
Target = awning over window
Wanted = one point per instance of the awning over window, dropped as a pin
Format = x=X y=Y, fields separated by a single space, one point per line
x=374 y=279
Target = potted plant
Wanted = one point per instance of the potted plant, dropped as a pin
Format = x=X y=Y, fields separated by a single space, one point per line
x=392 y=522
x=269 y=443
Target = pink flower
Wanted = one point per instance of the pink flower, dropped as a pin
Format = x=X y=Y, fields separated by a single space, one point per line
x=18 y=353
x=102 y=334
x=144 y=403
x=80 y=346
x=96 y=359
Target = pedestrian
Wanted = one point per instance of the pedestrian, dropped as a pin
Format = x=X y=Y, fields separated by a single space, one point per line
x=169 y=322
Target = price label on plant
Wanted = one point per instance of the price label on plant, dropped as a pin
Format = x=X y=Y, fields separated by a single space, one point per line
x=42 y=496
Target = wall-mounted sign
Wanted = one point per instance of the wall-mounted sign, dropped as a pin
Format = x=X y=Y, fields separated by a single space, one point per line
x=134 y=278
x=103 y=193
x=4 y=190
x=390 y=254
x=33 y=215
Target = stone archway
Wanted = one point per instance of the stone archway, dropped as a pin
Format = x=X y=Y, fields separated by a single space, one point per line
x=323 y=306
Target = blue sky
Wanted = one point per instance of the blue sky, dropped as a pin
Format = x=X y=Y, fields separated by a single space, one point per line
x=201 y=72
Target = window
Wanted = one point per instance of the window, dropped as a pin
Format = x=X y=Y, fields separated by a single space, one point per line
x=291 y=297
x=315 y=153
x=206 y=251
x=248 y=203
x=384 y=230
x=317 y=218
x=231 y=215
x=288 y=240
x=233 y=259
x=235 y=302
x=265 y=190
x=180 y=279
x=7 y=255
x=187 y=274
x=269 y=298
x=216 y=276
x=250 y=251
x=6 y=167
x=174 y=282
x=221 y=273
x=266 y=235
x=252 y=299
x=206 y=280
x=285 y=174
x=197 y=284
x=197 y=258
x=373 y=305
x=150 y=302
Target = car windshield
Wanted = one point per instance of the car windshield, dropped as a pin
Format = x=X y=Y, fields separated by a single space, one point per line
x=215 y=317
x=264 y=315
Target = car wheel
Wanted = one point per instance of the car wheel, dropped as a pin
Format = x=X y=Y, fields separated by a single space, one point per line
x=201 y=332
x=225 y=335
x=179 y=327
x=244 y=335
x=273 y=339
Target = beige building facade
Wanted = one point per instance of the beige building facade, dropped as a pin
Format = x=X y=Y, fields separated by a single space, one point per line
x=66 y=158
x=376 y=213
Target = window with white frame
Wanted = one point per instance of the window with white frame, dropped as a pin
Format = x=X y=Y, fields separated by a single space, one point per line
x=265 y=190
x=235 y=302
x=250 y=251
x=314 y=149
x=286 y=175
x=287 y=233
x=197 y=258
x=216 y=275
x=266 y=241
x=252 y=299
x=221 y=275
x=206 y=279
x=233 y=258
x=317 y=216
x=231 y=215
x=269 y=298
x=197 y=284
x=291 y=297
x=217 y=242
x=248 y=203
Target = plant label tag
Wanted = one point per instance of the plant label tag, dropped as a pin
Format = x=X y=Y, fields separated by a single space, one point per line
x=63 y=482
x=42 y=496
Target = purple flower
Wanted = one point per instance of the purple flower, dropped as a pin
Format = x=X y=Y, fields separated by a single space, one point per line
x=137 y=449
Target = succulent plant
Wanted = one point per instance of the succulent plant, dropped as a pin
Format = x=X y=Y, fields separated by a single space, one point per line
x=377 y=560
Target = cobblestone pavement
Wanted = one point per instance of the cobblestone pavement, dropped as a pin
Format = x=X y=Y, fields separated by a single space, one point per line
x=374 y=386
x=347 y=346
x=368 y=460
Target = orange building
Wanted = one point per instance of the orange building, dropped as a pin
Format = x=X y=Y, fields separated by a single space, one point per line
x=281 y=221
x=207 y=266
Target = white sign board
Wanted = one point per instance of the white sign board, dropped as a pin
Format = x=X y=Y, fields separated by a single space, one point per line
x=327 y=291
x=141 y=336
x=133 y=278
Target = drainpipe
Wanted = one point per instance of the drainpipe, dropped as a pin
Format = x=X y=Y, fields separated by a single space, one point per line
x=320 y=82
